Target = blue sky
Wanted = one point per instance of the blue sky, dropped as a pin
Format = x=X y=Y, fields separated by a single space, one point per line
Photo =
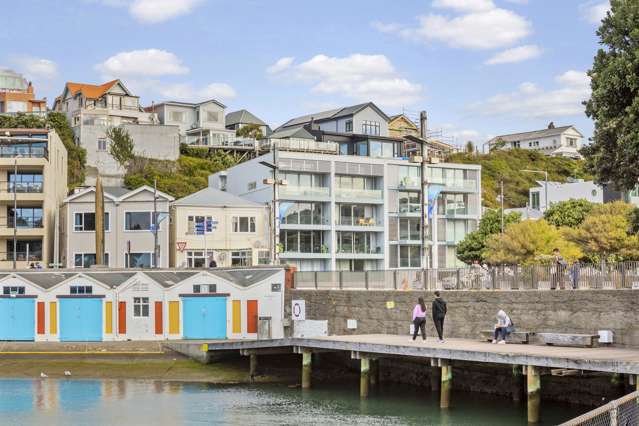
x=479 y=67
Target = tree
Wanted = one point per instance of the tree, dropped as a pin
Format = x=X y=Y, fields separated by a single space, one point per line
x=121 y=146
x=614 y=103
x=470 y=147
x=472 y=247
x=253 y=131
x=634 y=221
x=569 y=213
x=527 y=242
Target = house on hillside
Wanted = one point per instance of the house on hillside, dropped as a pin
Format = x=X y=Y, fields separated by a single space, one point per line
x=400 y=125
x=577 y=189
x=237 y=119
x=92 y=109
x=564 y=141
x=18 y=95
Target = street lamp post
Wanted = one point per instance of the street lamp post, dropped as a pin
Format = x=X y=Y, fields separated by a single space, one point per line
x=276 y=182
x=545 y=173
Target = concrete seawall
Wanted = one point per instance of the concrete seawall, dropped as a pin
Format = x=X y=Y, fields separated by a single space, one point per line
x=469 y=312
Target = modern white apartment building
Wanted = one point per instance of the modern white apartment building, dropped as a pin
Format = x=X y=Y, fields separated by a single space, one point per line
x=350 y=212
x=92 y=109
x=562 y=141
x=577 y=189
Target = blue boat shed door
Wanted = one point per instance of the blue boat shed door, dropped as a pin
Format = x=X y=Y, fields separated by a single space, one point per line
x=80 y=319
x=204 y=317
x=17 y=318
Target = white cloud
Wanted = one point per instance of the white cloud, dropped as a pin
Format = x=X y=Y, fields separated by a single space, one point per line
x=516 y=54
x=148 y=62
x=594 y=12
x=153 y=11
x=359 y=77
x=518 y=1
x=531 y=101
x=479 y=25
x=35 y=68
x=280 y=65
x=188 y=92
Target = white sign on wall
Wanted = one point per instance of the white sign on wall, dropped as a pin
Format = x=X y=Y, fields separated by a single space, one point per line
x=298 y=310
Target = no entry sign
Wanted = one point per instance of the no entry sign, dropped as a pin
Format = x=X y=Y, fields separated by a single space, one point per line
x=298 y=310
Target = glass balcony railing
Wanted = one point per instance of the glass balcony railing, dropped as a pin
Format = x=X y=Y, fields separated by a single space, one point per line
x=348 y=249
x=9 y=151
x=367 y=194
x=26 y=222
x=22 y=187
x=358 y=221
x=303 y=191
x=467 y=184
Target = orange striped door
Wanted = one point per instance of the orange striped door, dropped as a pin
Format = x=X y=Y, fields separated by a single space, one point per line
x=158 y=318
x=251 y=316
x=122 y=317
x=40 y=317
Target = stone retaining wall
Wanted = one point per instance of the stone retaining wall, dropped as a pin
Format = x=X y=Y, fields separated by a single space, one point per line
x=469 y=312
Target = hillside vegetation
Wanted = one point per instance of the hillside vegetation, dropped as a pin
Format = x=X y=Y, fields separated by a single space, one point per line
x=507 y=165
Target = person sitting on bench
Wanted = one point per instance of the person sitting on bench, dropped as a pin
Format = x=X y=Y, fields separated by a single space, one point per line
x=503 y=327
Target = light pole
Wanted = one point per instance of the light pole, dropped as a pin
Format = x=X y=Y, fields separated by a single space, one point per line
x=15 y=211
x=545 y=173
x=275 y=181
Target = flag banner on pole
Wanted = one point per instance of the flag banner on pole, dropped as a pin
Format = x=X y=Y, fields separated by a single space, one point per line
x=433 y=193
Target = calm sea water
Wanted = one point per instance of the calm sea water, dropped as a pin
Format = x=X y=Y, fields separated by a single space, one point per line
x=125 y=402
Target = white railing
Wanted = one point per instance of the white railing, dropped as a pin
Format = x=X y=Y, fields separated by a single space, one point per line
x=299 y=145
x=367 y=194
x=303 y=191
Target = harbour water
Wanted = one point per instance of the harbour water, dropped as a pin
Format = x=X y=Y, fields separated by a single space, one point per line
x=124 y=402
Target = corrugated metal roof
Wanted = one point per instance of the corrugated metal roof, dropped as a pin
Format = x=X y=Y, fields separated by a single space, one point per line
x=111 y=279
x=245 y=278
x=211 y=197
x=169 y=279
x=46 y=280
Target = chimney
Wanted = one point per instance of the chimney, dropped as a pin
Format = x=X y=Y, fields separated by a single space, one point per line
x=423 y=124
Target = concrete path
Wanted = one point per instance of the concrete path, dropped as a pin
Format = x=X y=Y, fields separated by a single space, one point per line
x=28 y=348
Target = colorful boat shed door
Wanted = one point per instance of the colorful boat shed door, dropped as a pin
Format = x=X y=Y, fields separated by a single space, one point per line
x=17 y=318
x=81 y=319
x=204 y=317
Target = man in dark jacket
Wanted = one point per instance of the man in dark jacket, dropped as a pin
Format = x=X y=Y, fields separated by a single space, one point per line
x=439 y=312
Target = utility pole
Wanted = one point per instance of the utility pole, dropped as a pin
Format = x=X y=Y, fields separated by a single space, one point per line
x=15 y=212
x=501 y=197
x=156 y=249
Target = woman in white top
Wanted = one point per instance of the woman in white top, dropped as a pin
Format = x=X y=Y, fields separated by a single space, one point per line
x=503 y=327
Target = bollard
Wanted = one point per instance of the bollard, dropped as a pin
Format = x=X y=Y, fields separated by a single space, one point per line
x=363 y=378
x=534 y=393
x=307 y=356
x=252 y=366
x=446 y=385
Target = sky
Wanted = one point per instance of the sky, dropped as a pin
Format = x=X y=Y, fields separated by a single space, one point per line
x=480 y=68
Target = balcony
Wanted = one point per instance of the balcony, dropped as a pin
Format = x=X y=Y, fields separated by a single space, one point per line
x=359 y=252
x=299 y=145
x=466 y=185
x=409 y=182
x=316 y=254
x=303 y=192
x=23 y=151
x=366 y=195
x=219 y=140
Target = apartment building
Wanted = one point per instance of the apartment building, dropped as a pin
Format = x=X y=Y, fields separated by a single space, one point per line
x=18 y=95
x=92 y=109
x=358 y=212
x=33 y=183
x=564 y=141
x=578 y=189
x=216 y=225
x=128 y=221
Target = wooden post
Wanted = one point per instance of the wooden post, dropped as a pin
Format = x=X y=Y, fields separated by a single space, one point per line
x=374 y=373
x=306 y=369
x=447 y=382
x=434 y=376
x=364 y=377
x=517 y=383
x=534 y=393
x=252 y=366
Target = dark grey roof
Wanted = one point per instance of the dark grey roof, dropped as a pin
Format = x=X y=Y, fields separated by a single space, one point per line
x=245 y=278
x=169 y=279
x=111 y=279
x=295 y=132
x=116 y=191
x=532 y=135
x=331 y=114
x=46 y=280
x=242 y=117
x=211 y=197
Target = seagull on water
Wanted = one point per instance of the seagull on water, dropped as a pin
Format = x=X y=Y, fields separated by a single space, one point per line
x=67 y=373
x=44 y=376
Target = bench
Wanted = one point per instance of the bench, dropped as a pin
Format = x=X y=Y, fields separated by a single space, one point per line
x=566 y=339
x=522 y=337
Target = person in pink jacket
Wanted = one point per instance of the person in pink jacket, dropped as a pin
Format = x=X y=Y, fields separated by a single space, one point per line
x=419 y=318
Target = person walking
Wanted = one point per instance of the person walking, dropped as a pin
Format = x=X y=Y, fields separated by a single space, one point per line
x=503 y=327
x=439 y=313
x=419 y=318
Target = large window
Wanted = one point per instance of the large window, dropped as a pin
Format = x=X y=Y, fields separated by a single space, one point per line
x=241 y=258
x=410 y=176
x=301 y=213
x=356 y=215
x=454 y=230
x=193 y=221
x=85 y=221
x=356 y=242
x=81 y=289
x=381 y=149
x=302 y=179
x=348 y=126
x=409 y=257
x=302 y=241
x=409 y=202
x=139 y=260
x=534 y=200
x=30 y=250
x=198 y=259
x=138 y=221
x=86 y=260
x=456 y=204
x=243 y=224
x=409 y=229
x=177 y=116
x=25 y=217
x=370 y=128
x=140 y=307
x=25 y=182
x=355 y=182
